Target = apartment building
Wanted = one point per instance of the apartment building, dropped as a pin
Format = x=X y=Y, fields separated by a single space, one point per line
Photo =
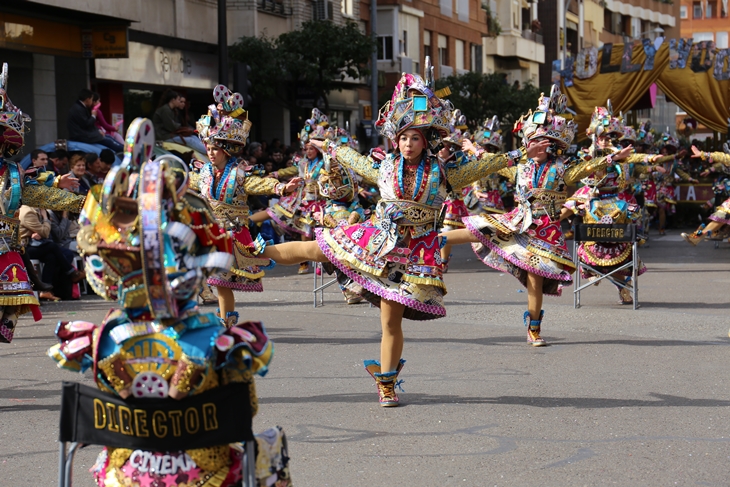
x=449 y=31
x=705 y=20
x=587 y=23
x=514 y=45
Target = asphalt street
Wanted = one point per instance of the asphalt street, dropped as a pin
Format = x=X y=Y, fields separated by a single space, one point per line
x=620 y=397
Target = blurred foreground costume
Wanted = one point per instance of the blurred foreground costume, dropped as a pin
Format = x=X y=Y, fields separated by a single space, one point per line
x=149 y=244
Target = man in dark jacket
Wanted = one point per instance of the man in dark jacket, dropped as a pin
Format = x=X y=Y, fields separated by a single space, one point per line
x=82 y=123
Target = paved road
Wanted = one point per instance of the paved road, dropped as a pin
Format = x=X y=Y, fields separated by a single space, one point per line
x=621 y=397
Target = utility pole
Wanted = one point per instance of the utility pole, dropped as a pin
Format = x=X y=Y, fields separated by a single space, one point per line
x=222 y=44
x=565 y=34
x=374 y=70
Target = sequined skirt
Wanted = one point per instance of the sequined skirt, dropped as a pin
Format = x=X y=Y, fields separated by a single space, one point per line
x=410 y=274
x=296 y=216
x=722 y=213
x=540 y=250
x=15 y=287
x=246 y=274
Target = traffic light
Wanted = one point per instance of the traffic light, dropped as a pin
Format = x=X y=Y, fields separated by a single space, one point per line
x=241 y=82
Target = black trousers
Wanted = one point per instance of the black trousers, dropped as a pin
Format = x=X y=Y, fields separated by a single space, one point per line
x=56 y=266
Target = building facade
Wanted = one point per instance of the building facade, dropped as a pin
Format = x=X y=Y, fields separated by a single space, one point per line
x=131 y=52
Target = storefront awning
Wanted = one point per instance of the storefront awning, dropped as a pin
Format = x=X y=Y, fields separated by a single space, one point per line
x=32 y=27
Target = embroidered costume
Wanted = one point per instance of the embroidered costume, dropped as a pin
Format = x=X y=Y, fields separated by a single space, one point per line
x=295 y=213
x=454 y=206
x=720 y=163
x=607 y=198
x=227 y=190
x=529 y=238
x=151 y=254
x=396 y=254
x=39 y=191
x=485 y=195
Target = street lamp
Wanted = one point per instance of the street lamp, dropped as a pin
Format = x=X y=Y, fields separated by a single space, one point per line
x=658 y=31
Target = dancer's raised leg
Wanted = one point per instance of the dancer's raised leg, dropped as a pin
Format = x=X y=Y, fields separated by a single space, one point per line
x=291 y=253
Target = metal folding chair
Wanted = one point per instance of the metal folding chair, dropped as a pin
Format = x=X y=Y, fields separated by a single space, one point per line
x=319 y=284
x=609 y=234
x=77 y=410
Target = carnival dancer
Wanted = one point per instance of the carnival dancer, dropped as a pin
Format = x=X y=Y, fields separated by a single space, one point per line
x=528 y=242
x=294 y=214
x=226 y=182
x=665 y=199
x=485 y=195
x=607 y=197
x=393 y=260
x=339 y=187
x=451 y=155
x=719 y=163
x=152 y=254
x=39 y=190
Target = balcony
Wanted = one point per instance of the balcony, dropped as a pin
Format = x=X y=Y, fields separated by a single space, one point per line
x=531 y=36
x=276 y=7
x=520 y=47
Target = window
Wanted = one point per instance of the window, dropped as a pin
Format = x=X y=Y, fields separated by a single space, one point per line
x=697 y=10
x=683 y=12
x=709 y=10
x=459 y=54
x=462 y=10
x=443 y=50
x=322 y=10
x=476 y=58
x=722 y=40
x=427 y=45
x=703 y=36
x=385 y=48
x=404 y=43
x=446 y=7
x=347 y=9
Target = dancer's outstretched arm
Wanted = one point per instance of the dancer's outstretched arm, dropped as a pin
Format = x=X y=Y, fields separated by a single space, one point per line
x=585 y=168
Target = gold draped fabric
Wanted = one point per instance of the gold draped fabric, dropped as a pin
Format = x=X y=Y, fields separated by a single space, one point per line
x=700 y=94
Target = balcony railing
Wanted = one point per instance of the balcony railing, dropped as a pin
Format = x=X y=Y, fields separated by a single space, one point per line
x=529 y=35
x=276 y=7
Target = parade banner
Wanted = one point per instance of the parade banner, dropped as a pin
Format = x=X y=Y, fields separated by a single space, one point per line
x=215 y=417
x=695 y=76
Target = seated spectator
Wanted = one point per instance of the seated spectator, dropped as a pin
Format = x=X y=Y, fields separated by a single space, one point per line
x=167 y=127
x=107 y=159
x=101 y=123
x=278 y=157
x=64 y=228
x=256 y=150
x=82 y=123
x=78 y=169
x=94 y=169
x=35 y=232
x=59 y=162
x=39 y=160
